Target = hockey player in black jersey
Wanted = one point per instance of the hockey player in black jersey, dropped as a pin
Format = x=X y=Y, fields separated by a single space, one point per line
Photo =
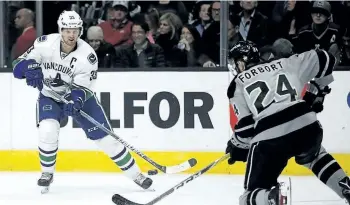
x=276 y=124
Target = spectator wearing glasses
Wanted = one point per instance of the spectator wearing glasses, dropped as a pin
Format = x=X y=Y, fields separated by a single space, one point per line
x=142 y=53
x=105 y=52
x=215 y=10
x=117 y=28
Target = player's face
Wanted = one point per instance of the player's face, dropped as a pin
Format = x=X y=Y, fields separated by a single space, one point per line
x=318 y=18
x=70 y=36
x=240 y=66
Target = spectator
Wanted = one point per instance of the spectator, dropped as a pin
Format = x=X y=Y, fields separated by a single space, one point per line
x=189 y=46
x=321 y=33
x=345 y=50
x=105 y=52
x=141 y=54
x=170 y=25
x=117 y=28
x=201 y=16
x=175 y=7
x=215 y=10
x=253 y=25
x=24 y=21
x=290 y=16
x=152 y=19
x=210 y=42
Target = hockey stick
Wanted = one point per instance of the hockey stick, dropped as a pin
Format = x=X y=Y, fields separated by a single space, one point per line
x=119 y=200
x=165 y=169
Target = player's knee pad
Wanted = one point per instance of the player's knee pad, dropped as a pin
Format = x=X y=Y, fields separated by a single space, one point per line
x=313 y=152
x=312 y=159
x=49 y=131
x=109 y=145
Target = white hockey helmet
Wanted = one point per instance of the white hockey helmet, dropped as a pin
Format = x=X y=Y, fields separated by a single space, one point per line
x=70 y=19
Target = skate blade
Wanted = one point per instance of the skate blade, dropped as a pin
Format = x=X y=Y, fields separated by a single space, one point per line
x=45 y=190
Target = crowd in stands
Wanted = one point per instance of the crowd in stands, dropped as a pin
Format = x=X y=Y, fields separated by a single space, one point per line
x=153 y=34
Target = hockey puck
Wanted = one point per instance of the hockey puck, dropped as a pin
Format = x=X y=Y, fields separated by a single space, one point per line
x=153 y=172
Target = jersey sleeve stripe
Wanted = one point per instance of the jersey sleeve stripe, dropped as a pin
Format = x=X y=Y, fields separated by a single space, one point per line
x=323 y=61
x=245 y=127
x=332 y=62
x=245 y=121
x=326 y=63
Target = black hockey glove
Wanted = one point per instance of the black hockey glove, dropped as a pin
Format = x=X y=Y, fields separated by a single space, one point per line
x=236 y=153
x=314 y=97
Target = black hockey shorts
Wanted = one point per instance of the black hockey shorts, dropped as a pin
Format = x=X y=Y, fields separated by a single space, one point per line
x=267 y=159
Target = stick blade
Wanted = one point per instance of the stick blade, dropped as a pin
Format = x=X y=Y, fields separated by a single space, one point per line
x=120 y=200
x=181 y=167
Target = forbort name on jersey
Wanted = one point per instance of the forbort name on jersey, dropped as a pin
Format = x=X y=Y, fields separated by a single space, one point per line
x=248 y=74
x=59 y=68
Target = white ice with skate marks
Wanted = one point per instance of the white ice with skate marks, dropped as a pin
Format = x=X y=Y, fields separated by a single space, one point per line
x=97 y=189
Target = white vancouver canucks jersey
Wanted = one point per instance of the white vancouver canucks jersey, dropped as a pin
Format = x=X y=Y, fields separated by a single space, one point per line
x=62 y=72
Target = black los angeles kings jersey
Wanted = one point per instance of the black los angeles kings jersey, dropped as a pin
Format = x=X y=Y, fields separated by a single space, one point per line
x=306 y=38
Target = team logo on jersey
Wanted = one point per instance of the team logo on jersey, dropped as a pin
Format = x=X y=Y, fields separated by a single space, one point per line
x=92 y=58
x=42 y=38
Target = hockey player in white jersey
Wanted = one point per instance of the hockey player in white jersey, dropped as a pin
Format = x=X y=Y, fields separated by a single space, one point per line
x=276 y=124
x=68 y=65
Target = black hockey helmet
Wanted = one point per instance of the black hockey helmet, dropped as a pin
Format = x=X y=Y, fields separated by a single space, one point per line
x=244 y=51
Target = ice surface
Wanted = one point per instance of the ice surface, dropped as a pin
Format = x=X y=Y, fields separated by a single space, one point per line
x=97 y=189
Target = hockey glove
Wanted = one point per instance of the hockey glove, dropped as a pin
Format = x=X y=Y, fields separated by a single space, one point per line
x=314 y=97
x=73 y=109
x=32 y=72
x=238 y=150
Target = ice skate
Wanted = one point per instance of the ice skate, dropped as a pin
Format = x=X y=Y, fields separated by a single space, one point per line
x=45 y=180
x=345 y=185
x=281 y=194
x=143 y=181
